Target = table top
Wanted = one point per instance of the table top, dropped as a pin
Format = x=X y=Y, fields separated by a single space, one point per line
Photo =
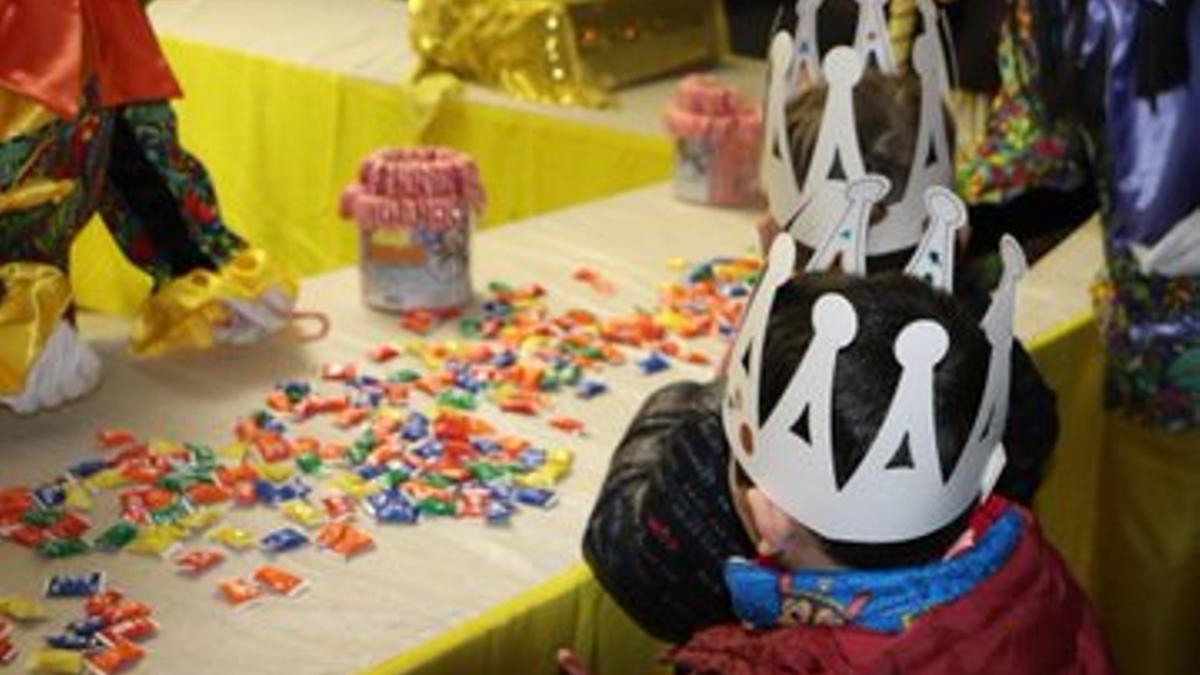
x=421 y=580
x=368 y=39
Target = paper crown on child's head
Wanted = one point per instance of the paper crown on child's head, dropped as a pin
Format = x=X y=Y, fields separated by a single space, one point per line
x=804 y=209
x=900 y=491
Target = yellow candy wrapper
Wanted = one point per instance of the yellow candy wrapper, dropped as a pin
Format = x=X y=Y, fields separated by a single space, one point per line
x=201 y=519
x=22 y=610
x=234 y=452
x=156 y=540
x=78 y=497
x=108 y=479
x=277 y=472
x=302 y=513
x=58 y=661
x=233 y=538
x=541 y=479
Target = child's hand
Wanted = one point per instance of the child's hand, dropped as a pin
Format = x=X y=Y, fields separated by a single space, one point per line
x=766 y=228
x=569 y=663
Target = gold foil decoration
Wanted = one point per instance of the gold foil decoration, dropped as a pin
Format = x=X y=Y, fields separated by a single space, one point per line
x=33 y=298
x=571 y=52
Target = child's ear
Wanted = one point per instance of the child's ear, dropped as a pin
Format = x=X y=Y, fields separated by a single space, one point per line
x=776 y=529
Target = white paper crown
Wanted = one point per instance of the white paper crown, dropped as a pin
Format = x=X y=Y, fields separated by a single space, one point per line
x=900 y=491
x=804 y=210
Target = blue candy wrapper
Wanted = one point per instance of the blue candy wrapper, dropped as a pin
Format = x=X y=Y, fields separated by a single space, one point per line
x=74 y=586
x=283 y=540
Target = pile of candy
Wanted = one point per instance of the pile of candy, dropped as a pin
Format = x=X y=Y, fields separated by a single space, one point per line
x=395 y=461
x=517 y=353
x=105 y=640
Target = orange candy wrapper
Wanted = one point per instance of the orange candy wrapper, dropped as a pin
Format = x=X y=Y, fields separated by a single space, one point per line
x=239 y=593
x=345 y=539
x=280 y=581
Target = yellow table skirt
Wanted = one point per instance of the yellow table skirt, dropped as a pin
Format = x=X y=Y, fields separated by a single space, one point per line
x=1122 y=504
x=281 y=140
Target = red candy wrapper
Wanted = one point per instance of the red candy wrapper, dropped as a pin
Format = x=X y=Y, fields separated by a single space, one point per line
x=70 y=526
x=134 y=630
x=280 y=581
x=117 y=657
x=567 y=424
x=198 y=561
x=338 y=507
x=205 y=494
x=239 y=593
x=100 y=603
x=273 y=448
x=125 y=611
x=383 y=353
x=115 y=438
x=8 y=651
x=339 y=371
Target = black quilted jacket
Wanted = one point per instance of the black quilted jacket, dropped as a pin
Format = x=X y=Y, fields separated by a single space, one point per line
x=664 y=522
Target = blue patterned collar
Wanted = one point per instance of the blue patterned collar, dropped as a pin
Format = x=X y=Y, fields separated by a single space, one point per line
x=883 y=601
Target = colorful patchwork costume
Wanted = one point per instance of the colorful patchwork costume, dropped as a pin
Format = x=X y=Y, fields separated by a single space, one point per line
x=84 y=129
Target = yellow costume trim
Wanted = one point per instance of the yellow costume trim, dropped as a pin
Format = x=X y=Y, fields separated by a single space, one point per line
x=33 y=299
x=21 y=115
x=182 y=314
x=35 y=193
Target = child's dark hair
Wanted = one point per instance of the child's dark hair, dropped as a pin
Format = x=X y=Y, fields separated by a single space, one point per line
x=887 y=110
x=865 y=381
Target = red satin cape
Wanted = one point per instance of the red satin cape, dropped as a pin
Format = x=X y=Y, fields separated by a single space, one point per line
x=51 y=47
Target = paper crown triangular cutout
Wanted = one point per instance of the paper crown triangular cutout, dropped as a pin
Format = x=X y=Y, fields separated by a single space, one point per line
x=900 y=491
x=805 y=208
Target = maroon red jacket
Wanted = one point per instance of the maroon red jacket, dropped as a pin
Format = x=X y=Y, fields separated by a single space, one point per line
x=1030 y=618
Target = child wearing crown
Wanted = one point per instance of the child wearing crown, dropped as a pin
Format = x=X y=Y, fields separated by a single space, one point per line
x=866 y=419
x=665 y=519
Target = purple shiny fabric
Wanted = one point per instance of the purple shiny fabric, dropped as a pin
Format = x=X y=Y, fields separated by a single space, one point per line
x=1154 y=146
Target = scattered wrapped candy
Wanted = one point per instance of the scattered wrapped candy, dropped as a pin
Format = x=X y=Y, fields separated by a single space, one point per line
x=74 y=586
x=134 y=630
x=155 y=540
x=22 y=610
x=283 y=540
x=120 y=655
x=75 y=643
x=8 y=651
x=302 y=513
x=233 y=538
x=57 y=661
x=197 y=561
x=239 y=593
x=280 y=581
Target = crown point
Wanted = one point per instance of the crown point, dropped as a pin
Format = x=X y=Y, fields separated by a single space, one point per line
x=1013 y=256
x=781 y=50
x=834 y=319
x=944 y=206
x=782 y=258
x=921 y=344
x=843 y=64
x=869 y=188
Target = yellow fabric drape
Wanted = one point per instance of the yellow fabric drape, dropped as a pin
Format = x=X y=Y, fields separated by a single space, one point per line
x=1147 y=548
x=571 y=611
x=181 y=315
x=33 y=298
x=278 y=175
